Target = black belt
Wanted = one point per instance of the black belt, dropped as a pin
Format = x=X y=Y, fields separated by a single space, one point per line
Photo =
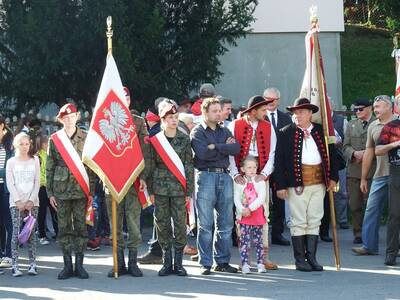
x=215 y=170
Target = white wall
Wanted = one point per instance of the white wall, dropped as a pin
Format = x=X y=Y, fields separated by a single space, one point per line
x=294 y=16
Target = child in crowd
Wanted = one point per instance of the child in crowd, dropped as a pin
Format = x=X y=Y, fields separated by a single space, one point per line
x=250 y=214
x=23 y=182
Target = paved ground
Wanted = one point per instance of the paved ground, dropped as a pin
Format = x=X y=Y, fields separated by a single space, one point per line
x=359 y=278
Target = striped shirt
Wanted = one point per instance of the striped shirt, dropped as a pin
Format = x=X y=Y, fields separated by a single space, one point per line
x=2 y=160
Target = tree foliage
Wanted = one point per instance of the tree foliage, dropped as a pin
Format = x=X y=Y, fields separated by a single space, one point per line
x=51 y=50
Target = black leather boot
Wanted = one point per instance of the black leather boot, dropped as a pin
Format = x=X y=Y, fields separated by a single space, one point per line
x=167 y=263
x=311 y=251
x=133 y=268
x=300 y=253
x=80 y=272
x=68 y=270
x=121 y=264
x=178 y=268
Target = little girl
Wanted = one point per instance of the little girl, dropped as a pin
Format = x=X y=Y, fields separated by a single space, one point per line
x=250 y=201
x=23 y=181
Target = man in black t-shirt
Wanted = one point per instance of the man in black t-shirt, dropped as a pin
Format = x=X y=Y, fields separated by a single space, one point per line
x=389 y=142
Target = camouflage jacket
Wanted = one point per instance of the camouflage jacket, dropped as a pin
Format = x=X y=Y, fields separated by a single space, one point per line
x=160 y=180
x=60 y=181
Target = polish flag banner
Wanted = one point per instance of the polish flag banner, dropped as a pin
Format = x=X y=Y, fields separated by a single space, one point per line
x=112 y=148
x=314 y=85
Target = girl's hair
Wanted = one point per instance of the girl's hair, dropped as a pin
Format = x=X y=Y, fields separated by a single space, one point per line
x=40 y=140
x=7 y=140
x=17 y=140
x=247 y=159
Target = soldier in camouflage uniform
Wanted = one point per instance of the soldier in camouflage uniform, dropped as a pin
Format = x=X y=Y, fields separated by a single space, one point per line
x=131 y=208
x=67 y=197
x=169 y=195
x=354 y=144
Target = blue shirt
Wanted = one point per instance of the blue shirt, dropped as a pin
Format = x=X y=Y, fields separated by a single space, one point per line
x=202 y=136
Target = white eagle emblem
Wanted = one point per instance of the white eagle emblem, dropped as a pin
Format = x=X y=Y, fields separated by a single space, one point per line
x=113 y=127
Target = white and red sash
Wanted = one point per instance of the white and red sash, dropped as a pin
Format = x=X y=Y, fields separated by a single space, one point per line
x=169 y=157
x=71 y=159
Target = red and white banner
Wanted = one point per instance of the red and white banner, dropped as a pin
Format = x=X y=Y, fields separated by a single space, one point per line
x=396 y=108
x=112 y=148
x=169 y=157
x=314 y=85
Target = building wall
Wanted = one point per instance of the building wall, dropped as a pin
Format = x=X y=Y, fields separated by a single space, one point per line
x=277 y=59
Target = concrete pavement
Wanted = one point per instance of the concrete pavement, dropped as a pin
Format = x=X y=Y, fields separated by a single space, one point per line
x=360 y=278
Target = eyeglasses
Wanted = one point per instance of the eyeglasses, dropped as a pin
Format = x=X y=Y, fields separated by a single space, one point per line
x=384 y=98
x=358 y=109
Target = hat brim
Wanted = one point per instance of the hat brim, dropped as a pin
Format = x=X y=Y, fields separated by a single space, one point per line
x=266 y=102
x=309 y=106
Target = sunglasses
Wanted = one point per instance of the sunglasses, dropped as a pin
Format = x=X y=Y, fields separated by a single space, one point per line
x=358 y=109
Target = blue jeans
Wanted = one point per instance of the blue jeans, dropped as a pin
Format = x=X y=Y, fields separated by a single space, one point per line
x=378 y=195
x=214 y=202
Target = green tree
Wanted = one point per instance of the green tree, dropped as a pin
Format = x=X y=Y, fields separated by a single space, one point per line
x=51 y=50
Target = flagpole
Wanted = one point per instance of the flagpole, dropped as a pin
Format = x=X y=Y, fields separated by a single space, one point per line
x=109 y=34
x=326 y=134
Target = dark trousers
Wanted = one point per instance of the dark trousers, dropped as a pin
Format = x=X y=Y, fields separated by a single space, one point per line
x=44 y=203
x=278 y=215
x=103 y=224
x=6 y=220
x=324 y=228
x=393 y=225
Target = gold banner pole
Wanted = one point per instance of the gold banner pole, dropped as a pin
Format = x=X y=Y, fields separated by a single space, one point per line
x=326 y=133
x=109 y=34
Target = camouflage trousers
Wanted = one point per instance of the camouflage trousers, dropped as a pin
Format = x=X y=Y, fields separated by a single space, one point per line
x=72 y=231
x=170 y=234
x=131 y=208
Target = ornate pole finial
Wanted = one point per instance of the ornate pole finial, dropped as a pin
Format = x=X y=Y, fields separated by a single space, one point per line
x=313 y=15
x=109 y=34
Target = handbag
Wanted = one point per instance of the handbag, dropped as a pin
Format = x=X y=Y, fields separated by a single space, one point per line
x=26 y=232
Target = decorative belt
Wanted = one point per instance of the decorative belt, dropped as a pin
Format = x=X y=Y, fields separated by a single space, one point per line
x=312 y=174
x=215 y=170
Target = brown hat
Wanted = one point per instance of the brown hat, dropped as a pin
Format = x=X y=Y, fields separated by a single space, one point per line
x=67 y=109
x=303 y=103
x=255 y=102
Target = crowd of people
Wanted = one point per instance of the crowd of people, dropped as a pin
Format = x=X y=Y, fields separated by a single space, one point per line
x=213 y=180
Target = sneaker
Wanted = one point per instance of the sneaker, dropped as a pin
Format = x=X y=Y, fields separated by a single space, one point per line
x=261 y=268
x=16 y=272
x=204 y=270
x=6 y=262
x=362 y=251
x=32 y=269
x=225 y=268
x=44 y=241
x=245 y=269
x=93 y=245
x=150 y=259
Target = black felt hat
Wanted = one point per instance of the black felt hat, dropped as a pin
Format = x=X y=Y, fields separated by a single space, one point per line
x=255 y=102
x=303 y=103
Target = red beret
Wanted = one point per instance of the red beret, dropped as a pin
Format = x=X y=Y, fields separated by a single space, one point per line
x=67 y=109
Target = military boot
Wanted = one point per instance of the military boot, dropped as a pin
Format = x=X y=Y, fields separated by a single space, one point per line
x=299 y=254
x=311 y=251
x=68 y=270
x=167 y=263
x=121 y=264
x=80 y=272
x=178 y=268
x=133 y=268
